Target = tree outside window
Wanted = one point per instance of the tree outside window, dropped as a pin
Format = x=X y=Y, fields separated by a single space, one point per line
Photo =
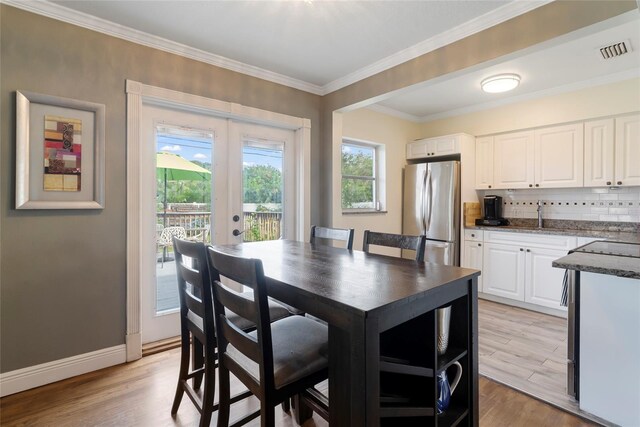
x=359 y=186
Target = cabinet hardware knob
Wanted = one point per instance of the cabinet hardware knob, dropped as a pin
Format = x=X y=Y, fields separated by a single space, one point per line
x=608 y=182
x=521 y=249
x=473 y=235
x=479 y=244
x=528 y=250
x=489 y=186
x=537 y=185
x=619 y=182
x=530 y=185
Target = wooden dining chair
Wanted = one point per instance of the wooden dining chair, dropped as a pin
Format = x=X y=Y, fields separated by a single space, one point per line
x=275 y=362
x=197 y=330
x=400 y=241
x=326 y=233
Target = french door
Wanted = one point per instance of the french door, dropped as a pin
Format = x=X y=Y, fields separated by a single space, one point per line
x=207 y=179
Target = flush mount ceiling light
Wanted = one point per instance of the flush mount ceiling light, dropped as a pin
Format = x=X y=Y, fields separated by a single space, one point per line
x=500 y=83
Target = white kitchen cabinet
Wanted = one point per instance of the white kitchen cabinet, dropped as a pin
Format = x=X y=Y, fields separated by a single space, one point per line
x=558 y=159
x=518 y=266
x=437 y=146
x=627 y=150
x=543 y=282
x=503 y=270
x=599 y=159
x=484 y=163
x=472 y=258
x=513 y=160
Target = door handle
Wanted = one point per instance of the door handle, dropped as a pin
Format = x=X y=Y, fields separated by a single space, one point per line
x=422 y=203
x=237 y=232
x=430 y=198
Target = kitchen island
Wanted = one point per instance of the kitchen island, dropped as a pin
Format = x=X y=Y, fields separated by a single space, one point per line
x=606 y=295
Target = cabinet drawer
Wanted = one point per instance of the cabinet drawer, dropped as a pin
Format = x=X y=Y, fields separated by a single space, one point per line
x=532 y=240
x=474 y=235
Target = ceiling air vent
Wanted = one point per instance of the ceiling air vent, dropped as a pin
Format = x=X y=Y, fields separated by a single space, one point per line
x=616 y=49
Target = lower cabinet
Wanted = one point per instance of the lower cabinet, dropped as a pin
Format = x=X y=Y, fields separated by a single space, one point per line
x=518 y=266
x=543 y=282
x=473 y=258
x=503 y=270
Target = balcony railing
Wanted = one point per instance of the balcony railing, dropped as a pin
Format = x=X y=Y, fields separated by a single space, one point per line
x=258 y=225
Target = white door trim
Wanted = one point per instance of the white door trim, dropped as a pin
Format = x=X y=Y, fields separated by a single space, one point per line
x=139 y=93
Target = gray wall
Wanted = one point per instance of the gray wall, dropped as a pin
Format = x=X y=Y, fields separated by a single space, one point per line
x=63 y=273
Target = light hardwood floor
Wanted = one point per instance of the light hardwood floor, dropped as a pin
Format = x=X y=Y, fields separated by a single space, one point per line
x=140 y=394
x=526 y=350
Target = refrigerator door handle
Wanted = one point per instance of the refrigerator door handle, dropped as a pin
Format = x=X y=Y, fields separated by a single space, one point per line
x=429 y=192
x=422 y=202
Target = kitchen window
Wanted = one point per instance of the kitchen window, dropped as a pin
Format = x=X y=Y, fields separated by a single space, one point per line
x=361 y=167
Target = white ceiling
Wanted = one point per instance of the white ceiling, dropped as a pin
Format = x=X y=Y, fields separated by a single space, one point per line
x=321 y=46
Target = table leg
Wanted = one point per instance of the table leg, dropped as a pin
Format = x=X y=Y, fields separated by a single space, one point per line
x=354 y=375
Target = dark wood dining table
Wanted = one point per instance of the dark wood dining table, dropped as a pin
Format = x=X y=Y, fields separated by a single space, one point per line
x=360 y=295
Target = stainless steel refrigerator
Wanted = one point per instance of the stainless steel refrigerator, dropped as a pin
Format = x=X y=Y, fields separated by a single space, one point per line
x=432 y=207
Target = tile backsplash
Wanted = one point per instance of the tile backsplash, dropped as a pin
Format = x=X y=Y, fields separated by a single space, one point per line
x=620 y=204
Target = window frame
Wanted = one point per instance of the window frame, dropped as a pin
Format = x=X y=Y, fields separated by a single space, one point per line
x=378 y=159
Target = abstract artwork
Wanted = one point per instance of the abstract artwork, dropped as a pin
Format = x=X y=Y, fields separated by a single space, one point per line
x=59 y=152
x=62 y=154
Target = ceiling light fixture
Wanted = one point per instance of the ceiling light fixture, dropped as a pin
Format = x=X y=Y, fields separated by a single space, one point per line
x=500 y=83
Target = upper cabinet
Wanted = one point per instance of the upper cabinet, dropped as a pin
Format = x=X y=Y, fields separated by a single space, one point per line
x=431 y=147
x=558 y=158
x=627 y=149
x=484 y=163
x=612 y=152
x=513 y=160
x=596 y=153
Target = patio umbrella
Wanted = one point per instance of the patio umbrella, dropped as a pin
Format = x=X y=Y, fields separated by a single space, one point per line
x=173 y=167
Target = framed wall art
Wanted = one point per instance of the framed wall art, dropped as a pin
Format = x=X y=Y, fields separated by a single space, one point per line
x=59 y=153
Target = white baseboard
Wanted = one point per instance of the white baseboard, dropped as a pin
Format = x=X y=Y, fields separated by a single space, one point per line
x=134 y=347
x=38 y=375
x=520 y=304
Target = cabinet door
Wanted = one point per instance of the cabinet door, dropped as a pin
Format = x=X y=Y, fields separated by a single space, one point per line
x=473 y=258
x=418 y=149
x=446 y=145
x=513 y=160
x=484 y=163
x=559 y=156
x=503 y=270
x=628 y=150
x=598 y=153
x=543 y=283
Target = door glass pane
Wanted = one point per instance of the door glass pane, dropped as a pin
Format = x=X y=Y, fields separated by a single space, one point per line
x=262 y=190
x=183 y=201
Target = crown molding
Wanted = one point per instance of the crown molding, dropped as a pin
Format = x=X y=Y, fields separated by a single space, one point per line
x=490 y=19
x=61 y=13
x=584 y=84
x=70 y=16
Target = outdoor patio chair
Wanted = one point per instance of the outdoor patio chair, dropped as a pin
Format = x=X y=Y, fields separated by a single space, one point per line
x=166 y=235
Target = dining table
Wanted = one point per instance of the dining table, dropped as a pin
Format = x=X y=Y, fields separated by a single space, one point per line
x=360 y=296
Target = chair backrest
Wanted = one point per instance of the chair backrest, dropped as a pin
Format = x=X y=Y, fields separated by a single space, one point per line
x=342 y=234
x=194 y=289
x=248 y=272
x=400 y=241
x=169 y=233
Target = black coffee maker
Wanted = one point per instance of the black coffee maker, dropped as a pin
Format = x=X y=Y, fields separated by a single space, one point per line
x=492 y=210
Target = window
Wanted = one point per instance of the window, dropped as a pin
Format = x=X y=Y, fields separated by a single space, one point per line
x=360 y=175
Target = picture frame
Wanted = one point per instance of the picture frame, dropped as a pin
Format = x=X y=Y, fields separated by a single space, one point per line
x=59 y=152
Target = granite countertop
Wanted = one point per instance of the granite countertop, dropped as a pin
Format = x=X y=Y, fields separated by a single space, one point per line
x=613 y=231
x=603 y=264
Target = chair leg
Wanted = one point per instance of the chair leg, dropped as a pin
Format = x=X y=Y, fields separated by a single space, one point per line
x=225 y=397
x=184 y=371
x=197 y=361
x=301 y=412
x=267 y=415
x=286 y=405
x=209 y=395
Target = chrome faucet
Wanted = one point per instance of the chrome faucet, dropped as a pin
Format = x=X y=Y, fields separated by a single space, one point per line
x=539 y=213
